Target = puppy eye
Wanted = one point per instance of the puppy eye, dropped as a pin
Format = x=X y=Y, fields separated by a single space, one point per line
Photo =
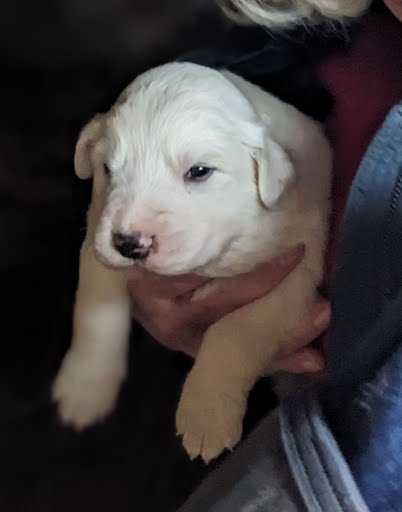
x=199 y=173
x=106 y=170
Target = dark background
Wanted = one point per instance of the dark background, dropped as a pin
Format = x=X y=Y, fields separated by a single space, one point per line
x=62 y=61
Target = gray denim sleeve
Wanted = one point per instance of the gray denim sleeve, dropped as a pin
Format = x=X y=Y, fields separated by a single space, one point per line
x=255 y=478
x=320 y=471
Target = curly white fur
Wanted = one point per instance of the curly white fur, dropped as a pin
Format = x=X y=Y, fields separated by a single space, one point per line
x=278 y=13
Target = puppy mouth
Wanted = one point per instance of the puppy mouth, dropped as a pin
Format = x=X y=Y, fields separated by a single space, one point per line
x=115 y=266
x=173 y=261
x=115 y=261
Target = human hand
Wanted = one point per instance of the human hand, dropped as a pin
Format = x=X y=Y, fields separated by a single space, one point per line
x=162 y=306
x=395 y=6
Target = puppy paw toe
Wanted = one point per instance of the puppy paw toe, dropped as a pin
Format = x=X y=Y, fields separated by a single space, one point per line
x=209 y=423
x=82 y=396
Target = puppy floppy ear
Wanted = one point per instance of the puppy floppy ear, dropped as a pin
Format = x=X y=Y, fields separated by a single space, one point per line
x=274 y=172
x=89 y=135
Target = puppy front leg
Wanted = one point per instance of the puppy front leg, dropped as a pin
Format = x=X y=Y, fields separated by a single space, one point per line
x=237 y=351
x=88 y=382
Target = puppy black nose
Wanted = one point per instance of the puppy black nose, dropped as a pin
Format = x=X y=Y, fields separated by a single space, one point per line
x=131 y=246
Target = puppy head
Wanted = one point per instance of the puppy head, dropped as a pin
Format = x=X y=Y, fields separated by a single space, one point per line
x=185 y=167
x=281 y=13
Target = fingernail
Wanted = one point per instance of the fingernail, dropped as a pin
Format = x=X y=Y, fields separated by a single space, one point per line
x=322 y=316
x=313 y=365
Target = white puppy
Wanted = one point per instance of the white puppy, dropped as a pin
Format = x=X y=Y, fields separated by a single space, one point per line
x=195 y=171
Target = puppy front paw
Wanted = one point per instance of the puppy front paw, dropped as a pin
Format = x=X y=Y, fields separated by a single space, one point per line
x=85 y=394
x=209 y=419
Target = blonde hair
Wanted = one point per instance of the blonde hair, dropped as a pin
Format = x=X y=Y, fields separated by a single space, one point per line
x=276 y=13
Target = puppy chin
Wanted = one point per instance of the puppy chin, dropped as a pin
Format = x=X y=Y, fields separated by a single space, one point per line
x=171 y=267
x=167 y=270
